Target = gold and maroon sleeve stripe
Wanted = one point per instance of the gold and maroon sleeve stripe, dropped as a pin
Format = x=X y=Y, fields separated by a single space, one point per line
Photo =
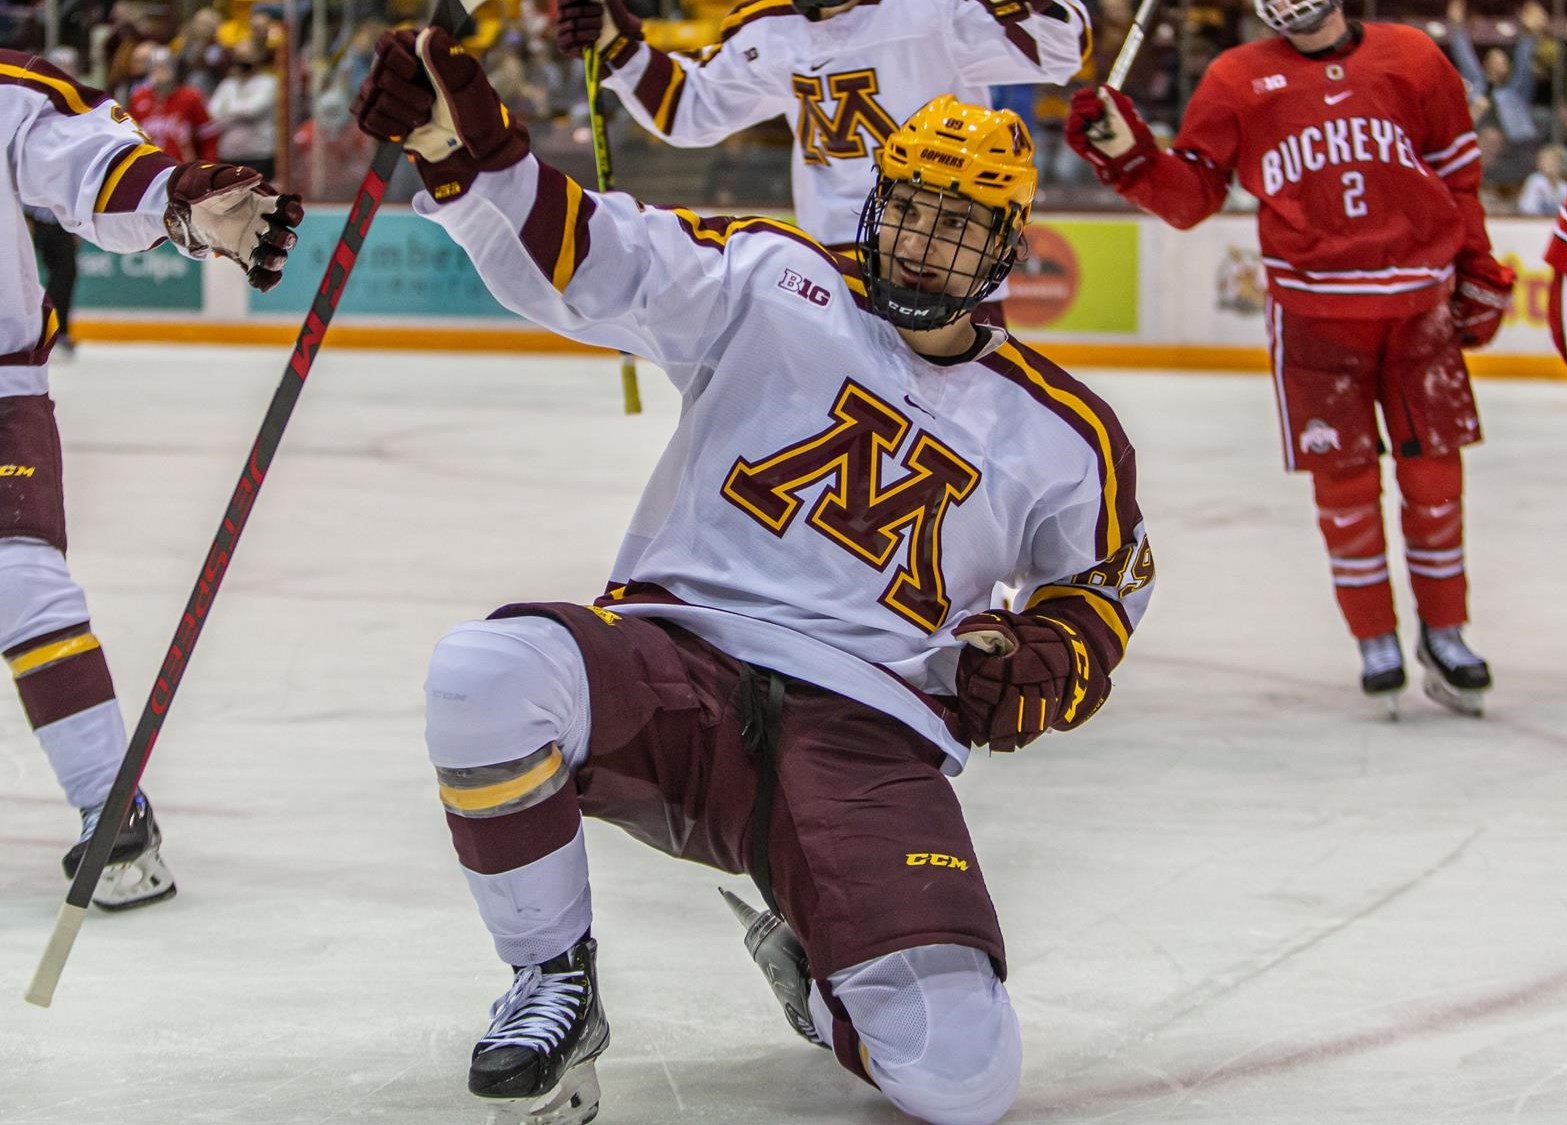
x=1088 y=416
x=131 y=172
x=1097 y=615
x=659 y=89
x=67 y=95
x=556 y=233
x=60 y=674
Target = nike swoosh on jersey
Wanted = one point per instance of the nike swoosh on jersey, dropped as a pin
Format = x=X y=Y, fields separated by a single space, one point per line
x=1334 y=99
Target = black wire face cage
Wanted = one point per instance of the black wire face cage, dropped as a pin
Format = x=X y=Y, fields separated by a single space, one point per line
x=811 y=9
x=918 y=308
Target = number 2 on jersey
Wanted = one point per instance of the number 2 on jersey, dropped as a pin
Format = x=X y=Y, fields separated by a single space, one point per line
x=1354 y=188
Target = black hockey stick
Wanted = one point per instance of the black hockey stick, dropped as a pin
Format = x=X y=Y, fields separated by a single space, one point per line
x=1132 y=43
x=592 y=64
x=450 y=15
x=1098 y=130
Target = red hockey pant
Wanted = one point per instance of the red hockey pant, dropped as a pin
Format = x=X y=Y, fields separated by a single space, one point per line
x=1332 y=377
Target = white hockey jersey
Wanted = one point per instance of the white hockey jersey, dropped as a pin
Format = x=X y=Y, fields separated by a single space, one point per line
x=847 y=82
x=70 y=149
x=831 y=504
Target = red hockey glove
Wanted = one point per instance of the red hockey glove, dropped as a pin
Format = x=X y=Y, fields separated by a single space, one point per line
x=580 y=25
x=1482 y=297
x=1014 y=677
x=429 y=94
x=231 y=211
x=1104 y=128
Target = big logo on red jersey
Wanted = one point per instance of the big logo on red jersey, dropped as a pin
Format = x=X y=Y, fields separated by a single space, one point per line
x=839 y=135
x=859 y=513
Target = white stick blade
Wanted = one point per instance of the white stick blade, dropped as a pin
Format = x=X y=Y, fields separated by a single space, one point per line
x=56 y=953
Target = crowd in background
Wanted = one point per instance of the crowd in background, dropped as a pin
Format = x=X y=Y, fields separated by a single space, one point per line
x=239 y=81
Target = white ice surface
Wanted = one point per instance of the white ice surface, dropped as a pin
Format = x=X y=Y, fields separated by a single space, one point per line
x=1239 y=896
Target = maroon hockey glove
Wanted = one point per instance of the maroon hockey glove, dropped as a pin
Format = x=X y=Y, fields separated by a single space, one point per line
x=429 y=94
x=1014 y=676
x=1105 y=129
x=1481 y=299
x=231 y=211
x=580 y=24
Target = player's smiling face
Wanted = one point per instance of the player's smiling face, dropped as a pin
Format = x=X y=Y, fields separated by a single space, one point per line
x=934 y=243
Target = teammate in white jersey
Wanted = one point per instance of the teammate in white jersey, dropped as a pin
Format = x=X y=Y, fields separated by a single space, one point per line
x=802 y=644
x=70 y=149
x=846 y=73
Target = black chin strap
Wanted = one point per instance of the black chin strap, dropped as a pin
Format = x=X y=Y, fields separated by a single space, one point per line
x=1343 y=45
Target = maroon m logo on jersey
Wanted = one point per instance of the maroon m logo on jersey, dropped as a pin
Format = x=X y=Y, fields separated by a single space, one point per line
x=839 y=135
x=860 y=513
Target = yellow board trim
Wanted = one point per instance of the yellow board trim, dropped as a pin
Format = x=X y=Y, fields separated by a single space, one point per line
x=34 y=659
x=1077 y=406
x=1099 y=605
x=502 y=792
x=431 y=336
x=64 y=89
x=117 y=173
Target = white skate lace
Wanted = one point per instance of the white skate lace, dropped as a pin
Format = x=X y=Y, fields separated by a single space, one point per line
x=537 y=1011
x=1447 y=645
x=90 y=819
x=1380 y=654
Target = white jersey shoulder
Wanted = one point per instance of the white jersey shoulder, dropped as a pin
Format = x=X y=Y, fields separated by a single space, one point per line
x=71 y=151
x=847 y=82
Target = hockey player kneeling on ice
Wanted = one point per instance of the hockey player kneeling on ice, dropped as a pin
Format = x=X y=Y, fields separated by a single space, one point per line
x=71 y=150
x=800 y=646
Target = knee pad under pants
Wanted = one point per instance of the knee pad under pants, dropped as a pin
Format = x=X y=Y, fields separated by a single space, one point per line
x=507 y=720
x=498 y=690
x=940 y=1037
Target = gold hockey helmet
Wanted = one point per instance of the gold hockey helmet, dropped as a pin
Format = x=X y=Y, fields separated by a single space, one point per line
x=961 y=152
x=959 y=149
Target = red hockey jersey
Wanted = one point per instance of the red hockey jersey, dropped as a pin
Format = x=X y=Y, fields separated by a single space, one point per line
x=1365 y=164
x=177 y=122
x=1556 y=250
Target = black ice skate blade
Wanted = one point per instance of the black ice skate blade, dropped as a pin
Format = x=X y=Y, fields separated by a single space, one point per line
x=573 y=1101
x=136 y=904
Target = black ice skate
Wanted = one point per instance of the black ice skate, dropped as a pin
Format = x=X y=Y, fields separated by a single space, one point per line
x=779 y=954
x=544 y=1034
x=1382 y=670
x=1455 y=677
x=135 y=874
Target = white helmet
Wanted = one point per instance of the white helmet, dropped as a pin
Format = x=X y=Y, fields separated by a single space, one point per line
x=1295 y=17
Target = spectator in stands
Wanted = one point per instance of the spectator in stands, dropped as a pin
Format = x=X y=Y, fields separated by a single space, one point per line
x=175 y=117
x=244 y=109
x=1544 y=191
x=508 y=73
x=200 y=56
x=124 y=66
x=1507 y=84
x=345 y=151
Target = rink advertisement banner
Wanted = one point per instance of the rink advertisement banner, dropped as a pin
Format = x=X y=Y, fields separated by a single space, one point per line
x=158 y=279
x=1079 y=276
x=1211 y=285
x=408 y=267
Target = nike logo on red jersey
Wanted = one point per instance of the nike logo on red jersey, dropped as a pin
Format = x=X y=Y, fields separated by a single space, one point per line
x=1334 y=99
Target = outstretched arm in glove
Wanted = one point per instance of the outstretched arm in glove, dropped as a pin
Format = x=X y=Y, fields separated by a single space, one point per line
x=230 y=211
x=1183 y=187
